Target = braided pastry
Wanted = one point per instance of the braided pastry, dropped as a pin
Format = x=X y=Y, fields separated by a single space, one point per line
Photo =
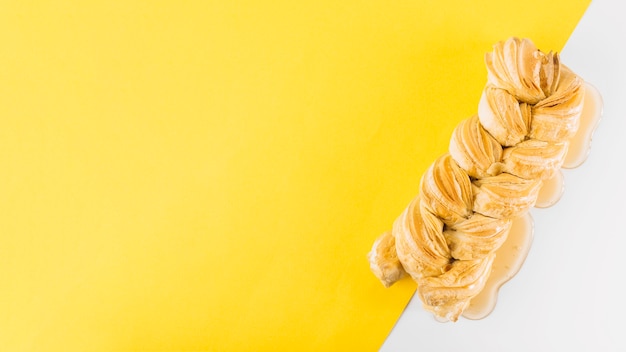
x=447 y=237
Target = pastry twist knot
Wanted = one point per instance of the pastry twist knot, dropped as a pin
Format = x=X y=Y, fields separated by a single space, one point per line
x=447 y=236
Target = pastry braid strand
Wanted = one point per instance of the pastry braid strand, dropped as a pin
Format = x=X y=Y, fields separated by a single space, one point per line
x=447 y=236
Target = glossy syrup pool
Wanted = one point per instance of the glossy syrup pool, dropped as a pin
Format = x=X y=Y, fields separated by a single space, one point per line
x=511 y=256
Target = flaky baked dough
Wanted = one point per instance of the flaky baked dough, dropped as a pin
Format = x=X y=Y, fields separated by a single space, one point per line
x=447 y=237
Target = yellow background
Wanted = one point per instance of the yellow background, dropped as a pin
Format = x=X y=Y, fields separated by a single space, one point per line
x=210 y=175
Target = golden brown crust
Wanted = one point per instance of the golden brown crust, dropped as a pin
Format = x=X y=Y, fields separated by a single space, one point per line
x=447 y=236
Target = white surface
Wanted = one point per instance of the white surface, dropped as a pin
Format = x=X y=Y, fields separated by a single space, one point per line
x=570 y=294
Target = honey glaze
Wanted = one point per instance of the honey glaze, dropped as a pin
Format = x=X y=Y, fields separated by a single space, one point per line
x=580 y=144
x=551 y=191
x=509 y=259
x=511 y=255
